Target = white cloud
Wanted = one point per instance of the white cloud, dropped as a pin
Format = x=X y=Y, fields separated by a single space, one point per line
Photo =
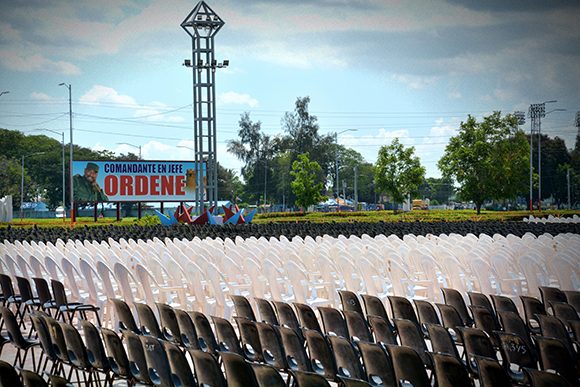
x=103 y=94
x=415 y=82
x=233 y=98
x=35 y=95
x=26 y=62
x=454 y=94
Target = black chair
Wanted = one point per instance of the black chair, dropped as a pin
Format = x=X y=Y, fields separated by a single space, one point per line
x=486 y=321
x=68 y=309
x=238 y=372
x=296 y=357
x=321 y=358
x=8 y=375
x=226 y=335
x=452 y=321
x=136 y=357
x=503 y=304
x=565 y=311
x=157 y=362
x=266 y=310
x=250 y=339
x=513 y=323
x=125 y=317
x=480 y=299
x=77 y=354
x=207 y=369
x=450 y=371
x=411 y=336
x=346 y=359
x=11 y=298
x=59 y=345
x=551 y=294
x=374 y=306
x=491 y=373
x=148 y=324
x=181 y=374
x=350 y=301
x=205 y=337
x=186 y=329
x=44 y=296
x=441 y=340
x=168 y=323
x=551 y=326
x=272 y=348
x=476 y=344
x=243 y=307
x=41 y=328
x=96 y=350
x=15 y=337
x=545 y=379
x=382 y=329
x=454 y=298
x=427 y=315
x=27 y=299
x=515 y=351
x=573 y=297
x=357 y=327
x=117 y=357
x=309 y=379
x=332 y=321
x=532 y=308
x=377 y=364
x=402 y=309
x=267 y=376
x=31 y=379
x=408 y=366
x=554 y=355
x=307 y=317
x=287 y=316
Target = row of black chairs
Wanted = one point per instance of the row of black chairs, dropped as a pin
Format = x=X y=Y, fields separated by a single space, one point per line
x=291 y=340
x=287 y=229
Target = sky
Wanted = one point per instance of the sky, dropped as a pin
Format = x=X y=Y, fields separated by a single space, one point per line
x=387 y=68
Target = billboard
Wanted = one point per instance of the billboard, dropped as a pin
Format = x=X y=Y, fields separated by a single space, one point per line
x=135 y=181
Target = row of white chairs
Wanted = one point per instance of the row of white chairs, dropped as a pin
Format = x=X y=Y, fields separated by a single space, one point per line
x=552 y=219
x=200 y=274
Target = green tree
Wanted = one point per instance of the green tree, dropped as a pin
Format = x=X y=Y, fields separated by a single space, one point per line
x=304 y=185
x=229 y=185
x=439 y=189
x=10 y=179
x=398 y=171
x=488 y=159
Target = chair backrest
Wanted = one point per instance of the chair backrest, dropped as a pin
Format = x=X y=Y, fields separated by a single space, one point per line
x=266 y=311
x=307 y=317
x=8 y=375
x=124 y=316
x=205 y=337
x=454 y=298
x=350 y=301
x=374 y=306
x=250 y=339
x=383 y=330
x=411 y=336
x=59 y=293
x=491 y=373
x=227 y=339
x=333 y=323
x=408 y=366
x=157 y=362
x=186 y=329
x=402 y=309
x=450 y=371
x=238 y=372
x=116 y=354
x=30 y=378
x=181 y=373
x=346 y=359
x=243 y=307
x=136 y=357
x=293 y=344
x=207 y=369
x=377 y=364
x=554 y=355
x=148 y=324
x=168 y=323
x=441 y=340
x=77 y=352
x=321 y=358
x=94 y=346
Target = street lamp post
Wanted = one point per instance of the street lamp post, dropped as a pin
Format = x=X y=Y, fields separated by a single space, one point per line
x=70 y=164
x=22 y=180
x=134 y=146
x=63 y=170
x=336 y=156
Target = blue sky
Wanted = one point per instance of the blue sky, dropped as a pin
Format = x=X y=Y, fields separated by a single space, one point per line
x=411 y=69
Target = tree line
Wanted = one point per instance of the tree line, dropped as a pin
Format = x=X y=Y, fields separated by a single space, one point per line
x=486 y=160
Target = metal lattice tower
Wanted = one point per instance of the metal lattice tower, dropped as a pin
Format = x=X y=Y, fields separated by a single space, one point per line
x=202 y=24
x=578 y=122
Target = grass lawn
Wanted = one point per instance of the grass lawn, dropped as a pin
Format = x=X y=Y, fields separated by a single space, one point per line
x=324 y=217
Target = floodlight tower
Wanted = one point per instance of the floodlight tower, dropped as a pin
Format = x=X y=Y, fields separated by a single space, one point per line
x=578 y=122
x=202 y=24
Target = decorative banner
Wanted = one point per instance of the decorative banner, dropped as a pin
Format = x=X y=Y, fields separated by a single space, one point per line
x=135 y=181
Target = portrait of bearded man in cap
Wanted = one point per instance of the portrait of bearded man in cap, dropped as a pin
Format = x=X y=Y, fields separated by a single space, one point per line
x=86 y=188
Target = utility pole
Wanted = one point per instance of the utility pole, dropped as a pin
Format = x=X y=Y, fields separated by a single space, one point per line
x=70 y=164
x=356 y=187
